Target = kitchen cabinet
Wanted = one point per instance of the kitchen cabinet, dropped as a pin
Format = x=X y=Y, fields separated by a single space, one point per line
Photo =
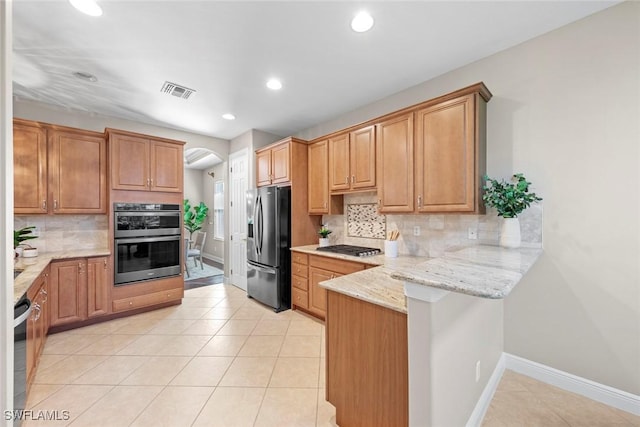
x=145 y=163
x=352 y=161
x=395 y=164
x=37 y=324
x=79 y=290
x=273 y=164
x=367 y=362
x=318 y=178
x=307 y=271
x=58 y=170
x=450 y=155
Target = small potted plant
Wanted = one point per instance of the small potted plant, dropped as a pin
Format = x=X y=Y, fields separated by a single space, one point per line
x=324 y=236
x=20 y=236
x=509 y=199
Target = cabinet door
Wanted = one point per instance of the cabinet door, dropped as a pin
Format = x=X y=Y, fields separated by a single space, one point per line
x=68 y=296
x=29 y=168
x=339 y=173
x=363 y=158
x=318 y=294
x=445 y=157
x=77 y=172
x=35 y=325
x=166 y=166
x=263 y=168
x=98 y=286
x=280 y=164
x=318 y=194
x=394 y=143
x=129 y=162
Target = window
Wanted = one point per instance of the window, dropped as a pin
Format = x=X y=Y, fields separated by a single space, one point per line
x=218 y=210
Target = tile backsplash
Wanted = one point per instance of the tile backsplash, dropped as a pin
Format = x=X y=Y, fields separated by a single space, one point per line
x=438 y=232
x=363 y=220
x=66 y=232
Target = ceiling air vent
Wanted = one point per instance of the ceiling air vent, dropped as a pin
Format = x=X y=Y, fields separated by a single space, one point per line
x=176 y=90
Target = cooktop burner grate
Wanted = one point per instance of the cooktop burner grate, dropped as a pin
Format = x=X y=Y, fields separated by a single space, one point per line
x=350 y=250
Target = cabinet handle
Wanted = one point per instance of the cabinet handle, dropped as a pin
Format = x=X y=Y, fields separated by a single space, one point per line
x=151 y=182
x=44 y=205
x=105 y=264
x=44 y=294
x=55 y=205
x=347 y=180
x=379 y=203
x=353 y=179
x=325 y=205
x=419 y=201
x=38 y=310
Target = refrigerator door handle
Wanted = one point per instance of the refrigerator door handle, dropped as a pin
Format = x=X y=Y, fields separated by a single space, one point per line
x=256 y=234
x=261 y=222
x=261 y=269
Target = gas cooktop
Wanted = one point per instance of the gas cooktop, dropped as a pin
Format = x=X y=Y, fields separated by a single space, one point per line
x=350 y=250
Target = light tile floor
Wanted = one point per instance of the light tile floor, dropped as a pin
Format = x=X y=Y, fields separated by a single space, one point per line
x=221 y=359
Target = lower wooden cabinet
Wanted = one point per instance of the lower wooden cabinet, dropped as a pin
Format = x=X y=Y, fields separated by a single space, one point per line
x=146 y=300
x=367 y=363
x=307 y=271
x=79 y=290
x=37 y=324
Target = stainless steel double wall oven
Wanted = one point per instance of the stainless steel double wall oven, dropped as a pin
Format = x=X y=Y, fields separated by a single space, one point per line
x=147 y=241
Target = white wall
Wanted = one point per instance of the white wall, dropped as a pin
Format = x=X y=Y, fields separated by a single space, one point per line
x=565 y=112
x=6 y=212
x=213 y=247
x=193 y=186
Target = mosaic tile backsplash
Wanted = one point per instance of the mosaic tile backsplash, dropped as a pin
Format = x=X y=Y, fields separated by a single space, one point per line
x=437 y=232
x=363 y=221
x=68 y=232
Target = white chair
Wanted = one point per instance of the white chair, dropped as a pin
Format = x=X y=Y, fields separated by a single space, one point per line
x=197 y=249
x=186 y=255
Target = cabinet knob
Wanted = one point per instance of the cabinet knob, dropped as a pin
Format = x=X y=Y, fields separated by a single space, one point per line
x=130 y=302
x=419 y=201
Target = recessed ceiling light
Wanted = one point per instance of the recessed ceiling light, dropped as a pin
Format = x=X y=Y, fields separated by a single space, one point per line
x=274 y=84
x=85 y=76
x=228 y=116
x=88 y=7
x=362 y=22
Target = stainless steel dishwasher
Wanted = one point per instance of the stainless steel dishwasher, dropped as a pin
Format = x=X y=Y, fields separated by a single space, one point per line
x=21 y=311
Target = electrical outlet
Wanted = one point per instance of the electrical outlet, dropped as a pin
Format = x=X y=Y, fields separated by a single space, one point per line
x=472 y=233
x=477 y=371
x=416 y=230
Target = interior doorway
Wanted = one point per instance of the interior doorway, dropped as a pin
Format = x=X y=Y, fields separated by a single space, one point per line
x=238 y=186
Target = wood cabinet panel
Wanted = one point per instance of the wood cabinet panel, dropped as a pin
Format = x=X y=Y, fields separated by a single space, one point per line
x=280 y=164
x=367 y=387
x=77 y=171
x=68 y=292
x=129 y=162
x=300 y=282
x=318 y=193
x=299 y=298
x=147 y=300
x=335 y=265
x=37 y=323
x=299 y=270
x=339 y=166
x=167 y=167
x=318 y=294
x=263 y=168
x=29 y=168
x=98 y=286
x=363 y=158
x=299 y=258
x=395 y=164
x=445 y=157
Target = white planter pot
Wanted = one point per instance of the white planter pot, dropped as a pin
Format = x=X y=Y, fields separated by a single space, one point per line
x=323 y=241
x=510 y=233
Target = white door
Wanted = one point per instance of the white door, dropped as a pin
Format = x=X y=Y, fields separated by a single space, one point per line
x=239 y=180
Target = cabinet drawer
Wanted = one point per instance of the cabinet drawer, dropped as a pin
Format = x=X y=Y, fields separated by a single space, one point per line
x=335 y=265
x=299 y=270
x=299 y=298
x=300 y=283
x=147 y=300
x=299 y=258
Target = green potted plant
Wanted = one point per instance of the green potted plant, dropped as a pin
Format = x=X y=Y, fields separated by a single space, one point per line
x=324 y=236
x=22 y=235
x=194 y=218
x=509 y=199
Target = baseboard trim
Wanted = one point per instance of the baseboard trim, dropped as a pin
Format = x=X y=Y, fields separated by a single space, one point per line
x=599 y=392
x=212 y=257
x=482 y=406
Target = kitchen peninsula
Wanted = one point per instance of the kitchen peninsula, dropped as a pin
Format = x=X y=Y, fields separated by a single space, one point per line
x=452 y=302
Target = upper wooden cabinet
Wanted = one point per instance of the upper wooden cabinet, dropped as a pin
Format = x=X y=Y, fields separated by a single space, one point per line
x=145 y=163
x=273 y=164
x=58 y=170
x=395 y=164
x=352 y=161
x=450 y=155
x=318 y=193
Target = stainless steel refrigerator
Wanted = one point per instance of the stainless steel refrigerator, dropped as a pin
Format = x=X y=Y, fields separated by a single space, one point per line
x=268 y=243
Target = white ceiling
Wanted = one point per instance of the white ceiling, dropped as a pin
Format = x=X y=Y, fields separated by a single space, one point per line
x=227 y=50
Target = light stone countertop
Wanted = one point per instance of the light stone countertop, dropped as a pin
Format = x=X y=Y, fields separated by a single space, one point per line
x=32 y=267
x=481 y=271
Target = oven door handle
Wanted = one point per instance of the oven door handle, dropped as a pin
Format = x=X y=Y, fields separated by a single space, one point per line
x=148 y=239
x=155 y=213
x=18 y=320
